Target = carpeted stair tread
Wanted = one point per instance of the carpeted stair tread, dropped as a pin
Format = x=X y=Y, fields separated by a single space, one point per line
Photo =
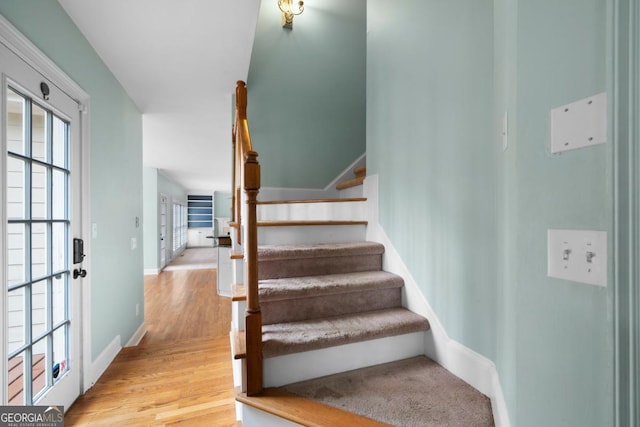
x=279 y=261
x=319 y=250
x=408 y=392
x=294 y=337
x=308 y=286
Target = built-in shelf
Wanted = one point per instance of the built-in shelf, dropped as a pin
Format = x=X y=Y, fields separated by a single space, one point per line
x=200 y=211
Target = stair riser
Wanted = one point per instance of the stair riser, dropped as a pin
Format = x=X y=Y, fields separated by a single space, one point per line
x=292 y=310
x=278 y=269
x=291 y=235
x=292 y=368
x=344 y=211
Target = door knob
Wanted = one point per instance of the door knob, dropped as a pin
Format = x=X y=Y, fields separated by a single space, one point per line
x=79 y=272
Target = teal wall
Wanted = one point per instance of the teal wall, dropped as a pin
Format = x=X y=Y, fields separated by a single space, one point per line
x=564 y=329
x=150 y=218
x=440 y=76
x=306 y=91
x=222 y=204
x=116 y=169
x=154 y=184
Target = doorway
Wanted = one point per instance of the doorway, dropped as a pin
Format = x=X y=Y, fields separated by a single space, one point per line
x=42 y=213
x=164 y=205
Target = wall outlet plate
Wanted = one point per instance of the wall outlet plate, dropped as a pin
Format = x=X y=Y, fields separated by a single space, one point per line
x=577 y=255
x=579 y=124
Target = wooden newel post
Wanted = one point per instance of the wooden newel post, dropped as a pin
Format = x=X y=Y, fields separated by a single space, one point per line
x=241 y=99
x=253 y=315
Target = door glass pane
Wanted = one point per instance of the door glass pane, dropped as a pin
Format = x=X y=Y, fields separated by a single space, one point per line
x=60 y=364
x=59 y=300
x=39 y=133
x=15 y=188
x=16 y=254
x=39 y=192
x=39 y=312
x=17 y=377
x=59 y=206
x=58 y=247
x=39 y=367
x=59 y=141
x=16 y=319
x=15 y=123
x=39 y=252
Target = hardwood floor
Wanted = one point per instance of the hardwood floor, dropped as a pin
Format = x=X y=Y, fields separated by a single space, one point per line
x=180 y=374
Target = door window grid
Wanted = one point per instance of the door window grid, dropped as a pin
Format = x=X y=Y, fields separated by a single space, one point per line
x=37 y=237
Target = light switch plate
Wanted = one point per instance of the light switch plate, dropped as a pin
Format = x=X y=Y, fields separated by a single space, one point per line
x=579 y=124
x=577 y=255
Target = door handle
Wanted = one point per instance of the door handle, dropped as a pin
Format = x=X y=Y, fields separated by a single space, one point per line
x=79 y=272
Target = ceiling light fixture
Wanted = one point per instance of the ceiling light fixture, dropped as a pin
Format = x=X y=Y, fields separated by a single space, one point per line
x=288 y=12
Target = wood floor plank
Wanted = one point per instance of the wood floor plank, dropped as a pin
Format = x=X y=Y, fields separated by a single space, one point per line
x=181 y=373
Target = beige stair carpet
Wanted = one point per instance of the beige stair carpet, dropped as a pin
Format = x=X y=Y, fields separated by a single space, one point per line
x=412 y=392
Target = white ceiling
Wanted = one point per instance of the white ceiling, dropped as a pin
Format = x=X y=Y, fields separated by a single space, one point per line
x=179 y=61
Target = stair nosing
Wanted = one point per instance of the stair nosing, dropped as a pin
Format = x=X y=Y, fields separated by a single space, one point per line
x=300 y=201
x=323 y=250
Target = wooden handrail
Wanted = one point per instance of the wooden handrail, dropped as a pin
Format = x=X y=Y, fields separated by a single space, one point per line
x=246 y=185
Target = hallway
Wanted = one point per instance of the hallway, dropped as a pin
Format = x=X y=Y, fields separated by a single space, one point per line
x=180 y=374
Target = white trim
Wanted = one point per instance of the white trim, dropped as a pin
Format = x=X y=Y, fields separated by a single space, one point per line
x=137 y=336
x=3 y=229
x=349 y=169
x=463 y=362
x=103 y=361
x=11 y=37
x=151 y=271
x=85 y=328
x=624 y=81
x=29 y=53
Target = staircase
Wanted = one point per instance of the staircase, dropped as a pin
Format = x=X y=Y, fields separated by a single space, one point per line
x=310 y=297
x=326 y=307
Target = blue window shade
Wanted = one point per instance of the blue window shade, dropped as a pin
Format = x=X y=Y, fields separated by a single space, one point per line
x=200 y=211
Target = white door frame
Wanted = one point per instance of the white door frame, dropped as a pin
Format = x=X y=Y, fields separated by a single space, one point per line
x=625 y=87
x=163 y=199
x=29 y=53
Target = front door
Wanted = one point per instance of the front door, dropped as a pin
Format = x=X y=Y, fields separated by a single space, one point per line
x=41 y=215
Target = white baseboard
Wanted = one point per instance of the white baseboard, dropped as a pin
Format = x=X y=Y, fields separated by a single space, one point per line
x=103 y=361
x=137 y=336
x=151 y=271
x=477 y=370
